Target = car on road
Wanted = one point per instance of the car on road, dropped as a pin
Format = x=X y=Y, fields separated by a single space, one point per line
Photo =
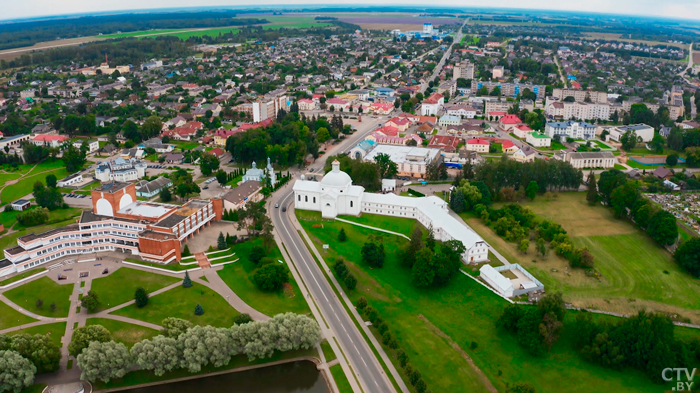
x=205 y=188
x=284 y=208
x=277 y=205
x=311 y=170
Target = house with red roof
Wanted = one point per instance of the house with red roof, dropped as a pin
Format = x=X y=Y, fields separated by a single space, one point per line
x=381 y=108
x=507 y=122
x=431 y=105
x=478 y=145
x=217 y=152
x=509 y=147
x=306 y=104
x=388 y=131
x=401 y=124
x=445 y=142
x=496 y=115
x=521 y=130
x=49 y=140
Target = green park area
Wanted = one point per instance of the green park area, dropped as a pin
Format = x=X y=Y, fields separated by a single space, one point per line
x=436 y=326
x=9 y=317
x=180 y=302
x=20 y=276
x=30 y=175
x=635 y=273
x=120 y=286
x=55 y=331
x=48 y=291
x=239 y=277
x=125 y=333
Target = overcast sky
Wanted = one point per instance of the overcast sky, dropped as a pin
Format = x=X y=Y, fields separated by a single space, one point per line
x=687 y=9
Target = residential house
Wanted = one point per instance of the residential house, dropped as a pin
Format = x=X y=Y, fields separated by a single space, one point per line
x=478 y=145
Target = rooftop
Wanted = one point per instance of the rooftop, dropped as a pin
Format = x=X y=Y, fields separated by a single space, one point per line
x=146 y=209
x=112 y=187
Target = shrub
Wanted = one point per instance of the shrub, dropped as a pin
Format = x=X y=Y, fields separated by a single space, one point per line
x=342 y=236
x=387 y=337
x=350 y=281
x=361 y=303
x=186 y=283
x=240 y=319
x=271 y=277
x=473 y=345
x=39 y=303
x=403 y=358
x=198 y=310
x=140 y=297
x=257 y=253
x=186 y=252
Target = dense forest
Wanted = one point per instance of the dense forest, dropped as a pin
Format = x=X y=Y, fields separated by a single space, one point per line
x=15 y=35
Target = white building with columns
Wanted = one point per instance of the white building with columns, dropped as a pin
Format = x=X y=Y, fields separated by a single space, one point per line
x=335 y=195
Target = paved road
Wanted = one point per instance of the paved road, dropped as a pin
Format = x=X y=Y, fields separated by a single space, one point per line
x=445 y=56
x=357 y=350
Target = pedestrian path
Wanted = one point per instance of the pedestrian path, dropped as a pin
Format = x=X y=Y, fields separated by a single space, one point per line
x=202 y=260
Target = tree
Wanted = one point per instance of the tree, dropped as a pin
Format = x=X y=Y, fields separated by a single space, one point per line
x=16 y=372
x=528 y=331
x=629 y=140
x=457 y=201
x=323 y=135
x=688 y=256
x=388 y=169
x=39 y=303
x=90 y=301
x=198 y=310
x=84 y=335
x=592 y=195
x=350 y=281
x=672 y=159
x=165 y=195
x=531 y=190
x=524 y=245
x=73 y=158
x=541 y=247
x=104 y=361
x=38 y=349
x=271 y=277
x=549 y=330
x=257 y=253
x=174 y=327
x=204 y=345
x=151 y=127
x=521 y=387
x=51 y=181
x=373 y=254
x=160 y=354
x=221 y=177
x=242 y=318
x=342 y=236
x=208 y=163
x=423 y=273
x=47 y=197
x=141 y=297
x=221 y=242
x=186 y=282
x=662 y=228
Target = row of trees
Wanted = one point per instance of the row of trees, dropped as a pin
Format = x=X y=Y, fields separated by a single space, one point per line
x=199 y=346
x=23 y=356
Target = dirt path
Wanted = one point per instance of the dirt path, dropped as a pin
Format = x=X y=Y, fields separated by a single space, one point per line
x=484 y=380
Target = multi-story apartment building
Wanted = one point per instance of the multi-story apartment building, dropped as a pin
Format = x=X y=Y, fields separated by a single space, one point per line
x=570 y=129
x=117 y=222
x=577 y=110
x=581 y=95
x=510 y=89
x=464 y=69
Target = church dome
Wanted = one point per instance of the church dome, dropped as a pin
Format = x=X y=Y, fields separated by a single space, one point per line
x=336 y=177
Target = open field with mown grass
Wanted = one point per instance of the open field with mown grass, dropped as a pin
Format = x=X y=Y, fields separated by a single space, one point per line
x=120 y=286
x=464 y=311
x=55 y=331
x=9 y=317
x=122 y=332
x=45 y=289
x=239 y=277
x=180 y=302
x=636 y=274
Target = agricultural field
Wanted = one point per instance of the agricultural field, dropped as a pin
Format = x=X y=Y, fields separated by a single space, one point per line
x=435 y=327
x=635 y=273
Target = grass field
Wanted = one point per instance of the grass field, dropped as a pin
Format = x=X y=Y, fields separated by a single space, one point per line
x=636 y=273
x=9 y=317
x=180 y=303
x=9 y=218
x=46 y=289
x=119 y=287
x=464 y=311
x=126 y=333
x=341 y=379
x=239 y=277
x=24 y=186
x=55 y=331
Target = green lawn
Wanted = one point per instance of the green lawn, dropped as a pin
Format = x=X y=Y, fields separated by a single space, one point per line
x=58 y=215
x=46 y=289
x=182 y=145
x=25 y=186
x=465 y=311
x=180 y=303
x=171 y=266
x=9 y=317
x=54 y=330
x=601 y=144
x=22 y=275
x=238 y=276
x=394 y=224
x=327 y=351
x=36 y=388
x=122 y=332
x=145 y=376
x=119 y=287
x=631 y=264
x=341 y=379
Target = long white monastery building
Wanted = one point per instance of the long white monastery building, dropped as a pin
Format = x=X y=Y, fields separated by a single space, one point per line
x=335 y=195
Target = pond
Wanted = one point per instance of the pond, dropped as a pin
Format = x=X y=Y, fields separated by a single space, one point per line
x=295 y=377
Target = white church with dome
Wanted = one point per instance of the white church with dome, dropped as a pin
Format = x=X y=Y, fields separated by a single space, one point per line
x=335 y=195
